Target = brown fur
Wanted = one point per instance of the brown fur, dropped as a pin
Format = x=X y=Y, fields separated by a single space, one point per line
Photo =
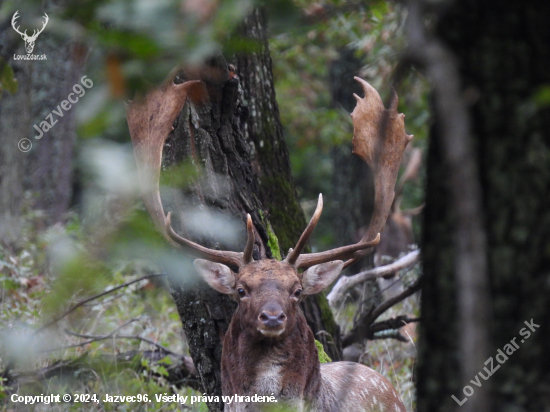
x=287 y=365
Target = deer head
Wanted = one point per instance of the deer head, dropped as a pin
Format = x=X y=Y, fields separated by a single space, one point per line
x=379 y=139
x=29 y=40
x=268 y=291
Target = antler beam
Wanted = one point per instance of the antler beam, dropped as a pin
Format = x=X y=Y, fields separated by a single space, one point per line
x=379 y=139
x=150 y=121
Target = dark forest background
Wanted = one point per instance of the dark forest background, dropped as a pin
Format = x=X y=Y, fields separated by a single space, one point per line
x=92 y=298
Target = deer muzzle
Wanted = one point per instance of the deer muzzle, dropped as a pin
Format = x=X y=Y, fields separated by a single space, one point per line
x=272 y=321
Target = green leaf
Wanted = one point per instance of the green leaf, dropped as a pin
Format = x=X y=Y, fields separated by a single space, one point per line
x=8 y=81
x=165 y=361
x=161 y=370
x=542 y=95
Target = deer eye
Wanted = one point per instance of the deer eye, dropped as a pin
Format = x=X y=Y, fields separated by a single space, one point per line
x=298 y=293
x=241 y=292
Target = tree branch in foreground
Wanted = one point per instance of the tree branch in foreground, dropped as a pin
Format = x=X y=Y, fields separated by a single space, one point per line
x=181 y=371
x=363 y=327
x=83 y=302
x=345 y=283
x=111 y=335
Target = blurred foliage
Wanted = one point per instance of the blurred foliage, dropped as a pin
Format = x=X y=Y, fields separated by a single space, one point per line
x=7 y=78
x=107 y=241
x=304 y=69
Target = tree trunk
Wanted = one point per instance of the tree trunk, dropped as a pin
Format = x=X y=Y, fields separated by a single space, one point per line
x=15 y=113
x=272 y=166
x=47 y=168
x=50 y=167
x=209 y=134
x=503 y=52
x=233 y=138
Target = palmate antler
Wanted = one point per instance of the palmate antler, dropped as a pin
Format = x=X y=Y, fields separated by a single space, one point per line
x=150 y=121
x=379 y=139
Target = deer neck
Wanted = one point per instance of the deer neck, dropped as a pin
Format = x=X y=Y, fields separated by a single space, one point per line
x=288 y=368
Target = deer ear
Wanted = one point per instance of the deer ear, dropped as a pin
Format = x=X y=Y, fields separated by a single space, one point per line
x=318 y=277
x=218 y=276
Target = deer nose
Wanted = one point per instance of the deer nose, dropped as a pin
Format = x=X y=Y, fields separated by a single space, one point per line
x=272 y=319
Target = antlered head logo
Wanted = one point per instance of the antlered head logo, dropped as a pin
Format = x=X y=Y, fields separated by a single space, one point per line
x=29 y=40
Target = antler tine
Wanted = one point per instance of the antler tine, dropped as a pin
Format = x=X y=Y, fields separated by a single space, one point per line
x=150 y=120
x=394 y=102
x=225 y=257
x=411 y=170
x=247 y=256
x=341 y=253
x=295 y=253
x=379 y=138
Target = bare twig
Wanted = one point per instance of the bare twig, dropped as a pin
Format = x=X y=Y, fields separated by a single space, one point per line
x=345 y=283
x=79 y=335
x=393 y=323
x=181 y=372
x=83 y=302
x=111 y=335
x=362 y=329
x=390 y=334
x=384 y=306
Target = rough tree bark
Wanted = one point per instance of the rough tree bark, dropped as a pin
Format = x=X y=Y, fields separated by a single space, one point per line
x=502 y=51
x=47 y=169
x=272 y=166
x=232 y=136
x=16 y=116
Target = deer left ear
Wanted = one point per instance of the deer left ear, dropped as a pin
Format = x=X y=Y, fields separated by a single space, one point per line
x=318 y=277
x=218 y=276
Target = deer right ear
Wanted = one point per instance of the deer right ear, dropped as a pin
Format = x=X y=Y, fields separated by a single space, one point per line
x=218 y=276
x=318 y=277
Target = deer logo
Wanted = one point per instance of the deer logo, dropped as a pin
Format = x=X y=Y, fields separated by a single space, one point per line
x=29 y=40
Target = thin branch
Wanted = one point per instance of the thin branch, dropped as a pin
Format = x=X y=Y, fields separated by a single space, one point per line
x=140 y=338
x=384 y=306
x=79 y=335
x=345 y=283
x=394 y=334
x=371 y=297
x=393 y=323
x=363 y=327
x=181 y=372
x=83 y=302
x=111 y=335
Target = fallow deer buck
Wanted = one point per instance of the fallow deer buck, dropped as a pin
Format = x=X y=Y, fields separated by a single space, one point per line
x=269 y=349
